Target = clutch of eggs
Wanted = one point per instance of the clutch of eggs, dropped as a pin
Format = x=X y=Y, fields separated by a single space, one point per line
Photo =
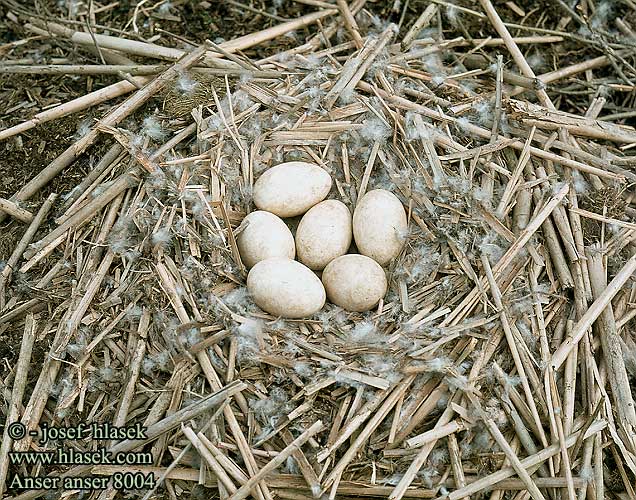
x=288 y=288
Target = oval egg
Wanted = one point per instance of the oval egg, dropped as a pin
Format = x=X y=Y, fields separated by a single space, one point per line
x=286 y=288
x=379 y=225
x=264 y=236
x=354 y=282
x=291 y=188
x=323 y=234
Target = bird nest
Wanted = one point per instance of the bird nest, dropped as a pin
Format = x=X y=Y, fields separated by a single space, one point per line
x=501 y=357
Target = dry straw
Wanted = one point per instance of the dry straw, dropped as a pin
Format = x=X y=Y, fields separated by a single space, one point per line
x=501 y=361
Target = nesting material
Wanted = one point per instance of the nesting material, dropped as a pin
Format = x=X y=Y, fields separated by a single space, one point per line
x=323 y=234
x=481 y=343
x=379 y=225
x=354 y=282
x=265 y=236
x=286 y=288
x=291 y=188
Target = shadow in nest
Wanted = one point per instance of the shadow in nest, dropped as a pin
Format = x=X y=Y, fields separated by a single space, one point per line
x=606 y=201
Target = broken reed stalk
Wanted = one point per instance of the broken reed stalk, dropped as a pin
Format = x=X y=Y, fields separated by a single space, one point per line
x=227 y=464
x=166 y=472
x=526 y=463
x=235 y=428
x=611 y=343
x=190 y=266
x=112 y=118
x=27 y=237
x=512 y=457
x=84 y=69
x=350 y=23
x=420 y=23
x=271 y=466
x=19 y=388
x=212 y=462
x=134 y=47
x=593 y=312
x=420 y=459
x=512 y=47
x=15 y=211
x=77 y=194
x=512 y=344
x=79 y=104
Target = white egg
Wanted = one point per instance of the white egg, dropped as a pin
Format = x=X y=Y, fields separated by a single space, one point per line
x=291 y=188
x=284 y=287
x=323 y=234
x=354 y=282
x=379 y=225
x=264 y=236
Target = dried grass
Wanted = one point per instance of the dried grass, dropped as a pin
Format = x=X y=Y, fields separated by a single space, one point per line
x=499 y=362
